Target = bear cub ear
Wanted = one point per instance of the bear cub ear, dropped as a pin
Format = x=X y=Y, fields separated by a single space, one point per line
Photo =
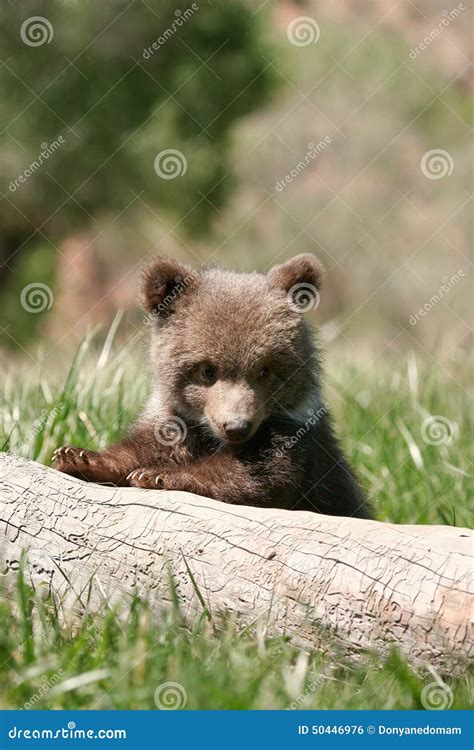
x=299 y=272
x=163 y=282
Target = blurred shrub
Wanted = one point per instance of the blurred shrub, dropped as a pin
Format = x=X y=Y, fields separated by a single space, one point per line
x=116 y=102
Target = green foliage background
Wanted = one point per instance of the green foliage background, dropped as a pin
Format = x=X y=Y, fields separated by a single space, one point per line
x=93 y=85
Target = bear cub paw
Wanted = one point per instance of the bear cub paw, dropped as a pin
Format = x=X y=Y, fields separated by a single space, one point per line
x=76 y=461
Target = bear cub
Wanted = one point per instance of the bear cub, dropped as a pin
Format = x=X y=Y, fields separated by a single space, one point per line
x=236 y=412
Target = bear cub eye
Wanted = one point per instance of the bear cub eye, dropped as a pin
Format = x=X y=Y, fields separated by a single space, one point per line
x=208 y=373
x=264 y=372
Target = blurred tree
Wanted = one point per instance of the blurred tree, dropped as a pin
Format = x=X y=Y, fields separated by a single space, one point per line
x=92 y=92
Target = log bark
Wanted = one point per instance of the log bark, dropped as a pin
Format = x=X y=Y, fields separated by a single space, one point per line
x=369 y=584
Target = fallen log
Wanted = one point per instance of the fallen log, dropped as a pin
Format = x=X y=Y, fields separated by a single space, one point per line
x=372 y=585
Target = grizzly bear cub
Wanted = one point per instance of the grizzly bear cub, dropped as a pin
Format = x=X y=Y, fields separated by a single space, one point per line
x=236 y=412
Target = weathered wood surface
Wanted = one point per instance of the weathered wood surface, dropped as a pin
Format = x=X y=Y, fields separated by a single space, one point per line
x=371 y=584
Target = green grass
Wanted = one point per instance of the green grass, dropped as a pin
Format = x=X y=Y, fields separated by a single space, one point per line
x=123 y=662
x=96 y=659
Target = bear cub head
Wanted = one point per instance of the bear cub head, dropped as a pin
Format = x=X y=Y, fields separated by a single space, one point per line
x=229 y=349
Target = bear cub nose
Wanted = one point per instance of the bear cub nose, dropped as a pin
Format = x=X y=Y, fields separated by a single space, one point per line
x=237 y=429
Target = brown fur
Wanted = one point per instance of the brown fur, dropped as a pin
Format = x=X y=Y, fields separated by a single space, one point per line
x=236 y=371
